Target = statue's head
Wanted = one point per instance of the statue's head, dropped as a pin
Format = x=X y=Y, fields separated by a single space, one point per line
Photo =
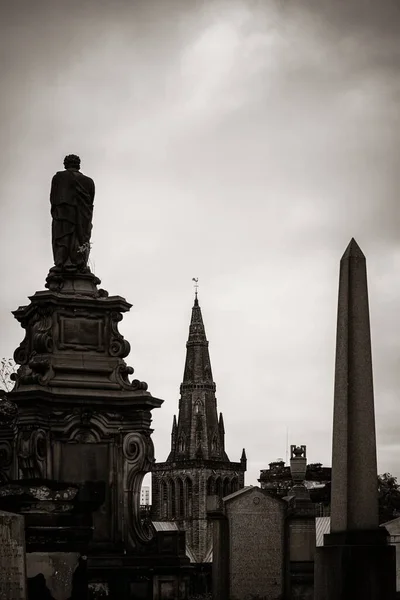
x=72 y=162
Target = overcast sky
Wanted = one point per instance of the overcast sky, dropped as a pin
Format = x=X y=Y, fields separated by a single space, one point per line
x=243 y=143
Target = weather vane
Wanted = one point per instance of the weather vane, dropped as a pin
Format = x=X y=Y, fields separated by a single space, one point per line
x=196 y=284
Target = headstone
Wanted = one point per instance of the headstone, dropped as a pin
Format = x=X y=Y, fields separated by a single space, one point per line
x=256 y=555
x=356 y=560
x=12 y=557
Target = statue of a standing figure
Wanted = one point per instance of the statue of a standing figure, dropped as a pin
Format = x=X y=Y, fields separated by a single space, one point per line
x=71 y=198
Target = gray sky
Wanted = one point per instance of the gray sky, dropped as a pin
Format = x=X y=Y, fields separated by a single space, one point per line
x=243 y=143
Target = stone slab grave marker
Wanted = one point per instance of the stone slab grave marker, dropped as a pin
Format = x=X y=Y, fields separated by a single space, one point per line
x=12 y=557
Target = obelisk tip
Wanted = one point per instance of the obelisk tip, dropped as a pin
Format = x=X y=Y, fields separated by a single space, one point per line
x=353 y=250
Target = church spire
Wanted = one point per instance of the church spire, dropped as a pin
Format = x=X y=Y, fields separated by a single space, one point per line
x=199 y=432
x=197 y=366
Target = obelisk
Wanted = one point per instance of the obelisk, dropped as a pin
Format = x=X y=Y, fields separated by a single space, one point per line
x=354 y=501
x=356 y=560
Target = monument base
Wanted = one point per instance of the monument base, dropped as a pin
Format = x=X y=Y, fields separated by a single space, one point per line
x=355 y=565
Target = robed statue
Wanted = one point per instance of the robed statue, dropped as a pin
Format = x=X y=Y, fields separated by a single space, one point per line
x=71 y=198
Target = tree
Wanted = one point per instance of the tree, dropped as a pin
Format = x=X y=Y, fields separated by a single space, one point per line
x=7 y=368
x=389 y=497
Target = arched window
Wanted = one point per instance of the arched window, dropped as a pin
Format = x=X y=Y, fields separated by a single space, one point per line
x=197 y=407
x=210 y=486
x=164 y=500
x=180 y=498
x=181 y=444
x=189 y=496
x=172 y=499
x=198 y=439
x=234 y=484
x=218 y=486
x=214 y=444
x=226 y=487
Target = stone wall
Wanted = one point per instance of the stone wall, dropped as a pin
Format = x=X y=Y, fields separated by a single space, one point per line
x=256 y=544
x=194 y=517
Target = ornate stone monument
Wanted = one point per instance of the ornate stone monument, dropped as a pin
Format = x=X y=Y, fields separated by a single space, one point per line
x=356 y=560
x=80 y=416
x=301 y=529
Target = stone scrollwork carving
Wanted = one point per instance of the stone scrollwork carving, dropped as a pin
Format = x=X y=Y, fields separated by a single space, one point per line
x=42 y=342
x=40 y=335
x=21 y=354
x=32 y=454
x=38 y=371
x=138 y=452
x=121 y=375
x=118 y=347
x=32 y=353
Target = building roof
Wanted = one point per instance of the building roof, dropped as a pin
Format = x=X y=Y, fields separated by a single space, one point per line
x=322 y=526
x=392 y=526
x=240 y=492
x=165 y=526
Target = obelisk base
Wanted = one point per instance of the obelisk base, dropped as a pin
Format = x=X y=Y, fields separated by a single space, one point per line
x=355 y=565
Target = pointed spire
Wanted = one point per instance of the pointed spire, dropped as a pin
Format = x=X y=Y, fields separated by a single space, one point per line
x=198 y=418
x=173 y=434
x=197 y=365
x=221 y=423
x=354 y=465
x=243 y=458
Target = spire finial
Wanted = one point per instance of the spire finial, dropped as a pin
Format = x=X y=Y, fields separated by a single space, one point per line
x=196 y=286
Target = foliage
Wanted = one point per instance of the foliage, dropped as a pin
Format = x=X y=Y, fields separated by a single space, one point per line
x=389 y=497
x=7 y=368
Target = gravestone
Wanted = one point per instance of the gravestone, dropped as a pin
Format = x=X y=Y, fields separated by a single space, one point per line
x=12 y=557
x=249 y=545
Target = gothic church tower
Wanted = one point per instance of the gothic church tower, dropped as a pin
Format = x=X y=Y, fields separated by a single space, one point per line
x=197 y=465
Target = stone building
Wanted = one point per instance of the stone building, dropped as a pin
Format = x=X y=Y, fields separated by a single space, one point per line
x=277 y=480
x=197 y=465
x=264 y=544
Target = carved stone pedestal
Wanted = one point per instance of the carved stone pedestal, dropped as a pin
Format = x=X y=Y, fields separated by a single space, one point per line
x=80 y=418
x=359 y=564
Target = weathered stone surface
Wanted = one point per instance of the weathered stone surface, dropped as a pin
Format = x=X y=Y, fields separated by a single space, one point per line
x=256 y=544
x=356 y=560
x=58 y=516
x=349 y=571
x=354 y=503
x=12 y=557
x=57 y=569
